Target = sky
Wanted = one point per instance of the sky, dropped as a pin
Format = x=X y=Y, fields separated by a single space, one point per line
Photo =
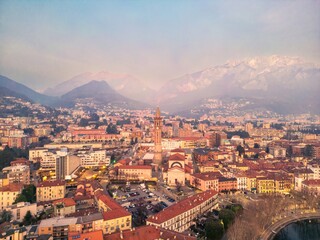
x=45 y=42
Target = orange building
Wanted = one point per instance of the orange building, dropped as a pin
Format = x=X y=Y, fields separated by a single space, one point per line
x=135 y=172
x=95 y=235
x=148 y=232
x=227 y=184
x=206 y=181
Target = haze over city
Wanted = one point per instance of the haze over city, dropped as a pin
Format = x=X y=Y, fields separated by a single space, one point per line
x=44 y=43
x=159 y=120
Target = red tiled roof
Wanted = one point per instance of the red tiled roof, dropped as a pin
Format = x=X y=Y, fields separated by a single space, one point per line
x=68 y=202
x=51 y=183
x=148 y=232
x=135 y=167
x=13 y=187
x=208 y=175
x=178 y=150
x=312 y=182
x=95 y=235
x=181 y=207
x=176 y=156
x=116 y=213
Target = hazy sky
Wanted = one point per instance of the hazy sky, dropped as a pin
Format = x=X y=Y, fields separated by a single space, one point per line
x=44 y=42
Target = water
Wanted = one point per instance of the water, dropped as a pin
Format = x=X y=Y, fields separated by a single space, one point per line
x=303 y=230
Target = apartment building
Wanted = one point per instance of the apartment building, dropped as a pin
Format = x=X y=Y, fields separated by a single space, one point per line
x=206 y=181
x=51 y=190
x=140 y=172
x=9 y=193
x=179 y=217
x=20 y=209
x=18 y=174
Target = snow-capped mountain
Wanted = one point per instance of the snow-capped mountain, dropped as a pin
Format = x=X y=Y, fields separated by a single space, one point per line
x=282 y=78
x=125 y=84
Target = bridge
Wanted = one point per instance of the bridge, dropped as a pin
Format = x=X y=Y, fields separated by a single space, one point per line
x=299 y=215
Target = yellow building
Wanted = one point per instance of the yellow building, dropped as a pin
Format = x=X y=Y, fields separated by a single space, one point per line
x=283 y=184
x=51 y=190
x=135 y=172
x=58 y=227
x=251 y=183
x=64 y=206
x=180 y=216
x=115 y=217
x=9 y=193
x=265 y=185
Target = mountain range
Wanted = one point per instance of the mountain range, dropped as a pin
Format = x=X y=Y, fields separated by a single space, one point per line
x=97 y=91
x=125 y=84
x=286 y=84
x=278 y=83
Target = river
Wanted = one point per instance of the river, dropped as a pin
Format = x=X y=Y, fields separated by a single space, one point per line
x=302 y=230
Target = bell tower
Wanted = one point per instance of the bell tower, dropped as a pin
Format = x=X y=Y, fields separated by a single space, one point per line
x=157 y=137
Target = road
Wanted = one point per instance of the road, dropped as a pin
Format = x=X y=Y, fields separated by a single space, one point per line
x=272 y=230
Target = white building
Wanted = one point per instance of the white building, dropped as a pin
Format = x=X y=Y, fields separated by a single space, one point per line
x=19 y=210
x=18 y=174
x=66 y=165
x=278 y=151
x=94 y=158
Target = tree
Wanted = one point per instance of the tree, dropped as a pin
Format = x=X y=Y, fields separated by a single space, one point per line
x=242 y=134
x=308 y=151
x=83 y=122
x=214 y=229
x=256 y=145
x=58 y=129
x=9 y=154
x=241 y=150
x=28 y=194
x=94 y=117
x=28 y=131
x=236 y=208
x=267 y=150
x=29 y=219
x=112 y=129
x=5 y=216
x=227 y=216
x=178 y=186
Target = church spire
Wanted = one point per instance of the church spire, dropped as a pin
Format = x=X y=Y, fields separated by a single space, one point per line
x=158 y=113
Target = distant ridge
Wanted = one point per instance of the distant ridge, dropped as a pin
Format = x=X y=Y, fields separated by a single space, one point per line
x=125 y=84
x=5 y=92
x=101 y=93
x=19 y=88
x=286 y=84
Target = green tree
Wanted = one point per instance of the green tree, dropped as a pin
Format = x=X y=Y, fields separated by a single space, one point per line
x=29 y=219
x=236 y=208
x=214 y=229
x=9 y=154
x=308 y=151
x=112 y=129
x=240 y=150
x=83 y=122
x=94 y=117
x=28 y=194
x=256 y=145
x=242 y=134
x=5 y=216
x=28 y=131
x=267 y=150
x=227 y=216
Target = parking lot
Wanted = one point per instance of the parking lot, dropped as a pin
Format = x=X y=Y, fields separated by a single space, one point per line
x=141 y=201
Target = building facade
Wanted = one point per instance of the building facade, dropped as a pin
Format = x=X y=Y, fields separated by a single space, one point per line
x=179 y=217
x=157 y=137
x=51 y=190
